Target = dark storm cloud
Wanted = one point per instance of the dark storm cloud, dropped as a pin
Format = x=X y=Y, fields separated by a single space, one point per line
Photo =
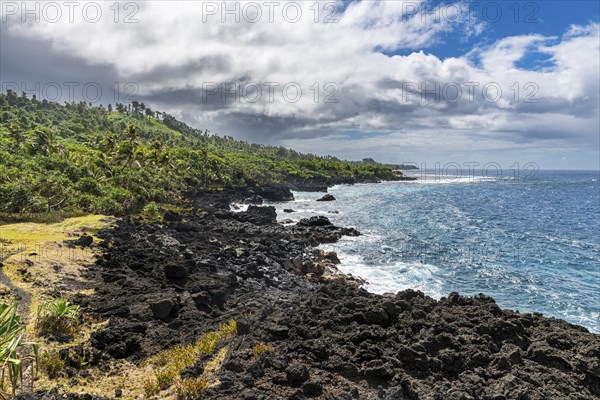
x=34 y=66
x=579 y=107
x=185 y=98
x=205 y=96
x=451 y=97
x=270 y=129
x=162 y=73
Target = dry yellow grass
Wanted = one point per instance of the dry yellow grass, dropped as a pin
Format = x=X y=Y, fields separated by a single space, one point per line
x=36 y=259
x=36 y=256
x=260 y=348
x=29 y=235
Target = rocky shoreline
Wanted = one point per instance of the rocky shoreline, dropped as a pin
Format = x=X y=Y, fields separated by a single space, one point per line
x=163 y=284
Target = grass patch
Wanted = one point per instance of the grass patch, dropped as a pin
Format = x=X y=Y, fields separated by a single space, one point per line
x=168 y=364
x=150 y=386
x=28 y=236
x=206 y=344
x=191 y=388
x=36 y=251
x=228 y=329
x=37 y=258
x=40 y=218
x=261 y=348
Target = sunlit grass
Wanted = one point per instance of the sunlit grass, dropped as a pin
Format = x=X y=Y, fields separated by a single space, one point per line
x=28 y=236
x=228 y=329
x=190 y=388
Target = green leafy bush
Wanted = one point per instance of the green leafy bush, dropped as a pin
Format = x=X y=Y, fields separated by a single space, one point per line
x=52 y=364
x=151 y=211
x=13 y=198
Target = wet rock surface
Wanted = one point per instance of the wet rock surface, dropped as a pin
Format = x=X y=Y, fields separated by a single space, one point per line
x=161 y=284
x=327 y=197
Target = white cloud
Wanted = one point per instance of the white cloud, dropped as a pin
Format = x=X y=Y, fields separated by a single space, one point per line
x=173 y=51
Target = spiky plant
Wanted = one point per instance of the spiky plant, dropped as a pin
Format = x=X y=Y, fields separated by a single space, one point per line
x=56 y=317
x=12 y=334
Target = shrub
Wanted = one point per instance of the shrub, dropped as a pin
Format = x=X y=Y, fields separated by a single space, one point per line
x=151 y=211
x=88 y=185
x=207 y=342
x=12 y=333
x=52 y=364
x=150 y=386
x=13 y=198
x=57 y=317
x=165 y=376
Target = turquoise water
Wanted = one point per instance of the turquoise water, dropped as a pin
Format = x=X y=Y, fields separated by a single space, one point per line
x=531 y=242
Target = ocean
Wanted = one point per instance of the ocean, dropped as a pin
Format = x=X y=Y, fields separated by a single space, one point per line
x=532 y=241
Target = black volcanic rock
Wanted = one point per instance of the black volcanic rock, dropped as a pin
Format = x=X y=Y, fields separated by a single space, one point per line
x=221 y=200
x=315 y=221
x=83 y=241
x=274 y=193
x=297 y=374
x=331 y=339
x=327 y=197
x=171 y=216
x=161 y=309
x=307 y=187
x=258 y=215
x=176 y=271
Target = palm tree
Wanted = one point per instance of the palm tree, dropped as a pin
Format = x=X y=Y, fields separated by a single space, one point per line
x=109 y=143
x=140 y=156
x=44 y=141
x=16 y=133
x=125 y=152
x=131 y=133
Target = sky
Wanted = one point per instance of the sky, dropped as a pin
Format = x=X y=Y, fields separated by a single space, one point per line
x=423 y=82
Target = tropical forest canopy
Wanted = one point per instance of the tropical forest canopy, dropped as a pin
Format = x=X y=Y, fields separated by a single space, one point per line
x=82 y=158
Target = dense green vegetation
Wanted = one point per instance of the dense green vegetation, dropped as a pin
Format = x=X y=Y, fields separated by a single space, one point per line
x=76 y=157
